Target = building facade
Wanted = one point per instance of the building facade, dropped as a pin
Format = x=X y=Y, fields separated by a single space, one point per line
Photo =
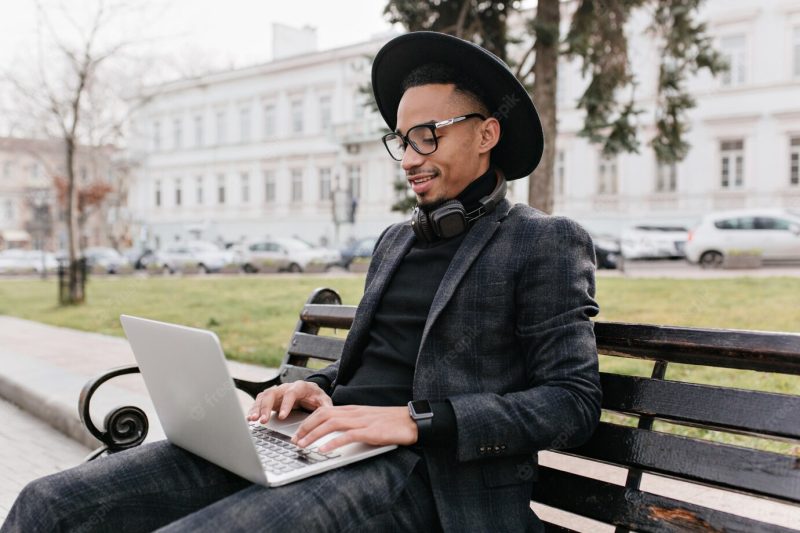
x=744 y=132
x=32 y=212
x=261 y=151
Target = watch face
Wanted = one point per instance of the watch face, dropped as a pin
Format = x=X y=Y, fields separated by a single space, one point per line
x=422 y=407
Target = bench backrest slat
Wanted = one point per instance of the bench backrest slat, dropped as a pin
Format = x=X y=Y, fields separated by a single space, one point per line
x=743 y=469
x=745 y=411
x=305 y=345
x=750 y=350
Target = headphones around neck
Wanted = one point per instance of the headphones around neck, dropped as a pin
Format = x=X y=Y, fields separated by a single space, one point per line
x=451 y=219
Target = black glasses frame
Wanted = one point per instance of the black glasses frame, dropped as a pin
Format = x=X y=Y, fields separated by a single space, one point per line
x=432 y=127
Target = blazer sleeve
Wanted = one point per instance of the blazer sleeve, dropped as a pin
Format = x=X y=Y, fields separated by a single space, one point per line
x=555 y=289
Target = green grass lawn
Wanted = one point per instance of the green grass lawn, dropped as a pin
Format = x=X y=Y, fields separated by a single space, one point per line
x=255 y=315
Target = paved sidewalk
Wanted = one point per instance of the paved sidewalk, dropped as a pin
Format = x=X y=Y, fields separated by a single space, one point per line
x=30 y=449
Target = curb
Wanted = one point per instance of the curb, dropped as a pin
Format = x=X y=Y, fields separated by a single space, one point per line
x=53 y=413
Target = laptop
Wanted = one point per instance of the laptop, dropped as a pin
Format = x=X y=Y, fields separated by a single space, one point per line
x=195 y=399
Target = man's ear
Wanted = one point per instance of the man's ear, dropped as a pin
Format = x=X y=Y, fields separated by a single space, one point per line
x=490 y=135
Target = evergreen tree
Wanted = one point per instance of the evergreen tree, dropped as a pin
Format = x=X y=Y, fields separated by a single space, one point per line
x=597 y=38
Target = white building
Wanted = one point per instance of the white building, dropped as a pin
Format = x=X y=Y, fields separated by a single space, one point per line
x=745 y=130
x=257 y=151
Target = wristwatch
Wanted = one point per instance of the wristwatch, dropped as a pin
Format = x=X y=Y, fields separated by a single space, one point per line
x=421 y=413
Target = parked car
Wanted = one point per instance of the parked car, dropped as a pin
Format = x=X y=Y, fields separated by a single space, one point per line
x=361 y=248
x=654 y=242
x=773 y=233
x=607 y=251
x=107 y=259
x=292 y=255
x=16 y=260
x=204 y=256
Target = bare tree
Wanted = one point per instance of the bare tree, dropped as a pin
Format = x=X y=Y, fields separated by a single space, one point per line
x=84 y=87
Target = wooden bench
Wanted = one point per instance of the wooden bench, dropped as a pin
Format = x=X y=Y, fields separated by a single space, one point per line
x=626 y=437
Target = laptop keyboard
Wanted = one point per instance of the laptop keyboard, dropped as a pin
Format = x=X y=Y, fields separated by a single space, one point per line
x=278 y=455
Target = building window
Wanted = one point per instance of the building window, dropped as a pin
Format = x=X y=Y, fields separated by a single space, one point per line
x=221 y=127
x=245 y=183
x=9 y=210
x=35 y=170
x=84 y=174
x=198 y=131
x=560 y=171
x=178 y=192
x=244 y=124
x=666 y=177
x=156 y=135
x=221 y=189
x=325 y=184
x=796 y=51
x=269 y=186
x=734 y=50
x=731 y=164
x=607 y=175
x=297 y=185
x=325 y=112
x=297 y=116
x=354 y=180
x=158 y=193
x=199 y=182
x=177 y=133
x=794 y=161
x=269 y=121
x=7 y=167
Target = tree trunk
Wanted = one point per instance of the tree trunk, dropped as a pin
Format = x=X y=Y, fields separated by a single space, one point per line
x=75 y=271
x=545 y=70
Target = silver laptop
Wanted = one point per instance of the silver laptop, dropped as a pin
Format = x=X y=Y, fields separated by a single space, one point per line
x=185 y=373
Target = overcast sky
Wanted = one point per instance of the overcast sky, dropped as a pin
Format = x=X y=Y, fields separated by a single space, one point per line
x=229 y=31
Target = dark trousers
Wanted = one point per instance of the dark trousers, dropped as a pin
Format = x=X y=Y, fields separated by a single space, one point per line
x=160 y=486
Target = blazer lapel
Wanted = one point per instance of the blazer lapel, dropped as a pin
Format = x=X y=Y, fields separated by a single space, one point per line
x=396 y=249
x=470 y=249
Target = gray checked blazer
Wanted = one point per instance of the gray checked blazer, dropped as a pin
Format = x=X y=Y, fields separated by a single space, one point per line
x=509 y=342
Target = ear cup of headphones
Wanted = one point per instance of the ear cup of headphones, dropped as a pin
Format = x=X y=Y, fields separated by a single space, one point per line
x=449 y=219
x=421 y=226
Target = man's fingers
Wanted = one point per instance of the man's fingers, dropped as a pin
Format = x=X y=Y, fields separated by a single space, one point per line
x=353 y=435
x=287 y=402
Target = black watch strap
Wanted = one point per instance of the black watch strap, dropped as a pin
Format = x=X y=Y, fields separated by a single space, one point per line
x=422 y=413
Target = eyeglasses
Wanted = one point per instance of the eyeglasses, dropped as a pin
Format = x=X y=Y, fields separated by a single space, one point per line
x=422 y=137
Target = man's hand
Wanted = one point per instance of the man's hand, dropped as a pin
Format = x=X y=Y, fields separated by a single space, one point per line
x=283 y=398
x=360 y=423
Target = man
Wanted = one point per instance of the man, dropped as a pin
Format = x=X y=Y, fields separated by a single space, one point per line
x=476 y=310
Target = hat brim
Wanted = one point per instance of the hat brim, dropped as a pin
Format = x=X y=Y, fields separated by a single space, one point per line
x=521 y=142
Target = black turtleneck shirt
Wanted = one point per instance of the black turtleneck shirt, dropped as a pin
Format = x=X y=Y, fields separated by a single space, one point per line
x=386 y=372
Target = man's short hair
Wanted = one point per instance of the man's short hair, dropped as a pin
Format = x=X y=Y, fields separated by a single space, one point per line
x=434 y=73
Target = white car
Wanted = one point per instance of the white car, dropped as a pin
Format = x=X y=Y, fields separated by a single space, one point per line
x=16 y=260
x=107 y=259
x=653 y=242
x=773 y=233
x=204 y=256
x=287 y=254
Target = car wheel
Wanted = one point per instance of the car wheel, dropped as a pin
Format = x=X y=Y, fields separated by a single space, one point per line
x=294 y=267
x=203 y=269
x=249 y=269
x=166 y=270
x=711 y=260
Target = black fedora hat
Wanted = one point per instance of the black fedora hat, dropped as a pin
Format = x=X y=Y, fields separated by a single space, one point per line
x=522 y=141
